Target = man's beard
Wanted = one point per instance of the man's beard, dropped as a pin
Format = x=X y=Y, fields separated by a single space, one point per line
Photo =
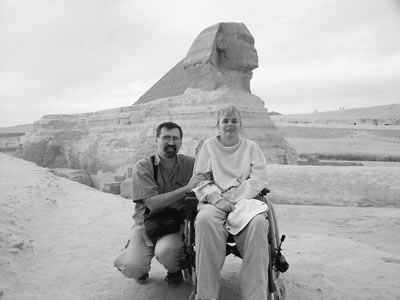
x=170 y=151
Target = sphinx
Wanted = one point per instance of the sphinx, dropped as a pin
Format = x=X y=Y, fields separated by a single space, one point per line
x=216 y=71
x=221 y=55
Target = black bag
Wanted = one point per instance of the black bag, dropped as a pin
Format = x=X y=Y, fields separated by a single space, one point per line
x=164 y=222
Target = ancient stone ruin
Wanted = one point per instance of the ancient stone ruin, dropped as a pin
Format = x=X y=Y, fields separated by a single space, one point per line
x=215 y=73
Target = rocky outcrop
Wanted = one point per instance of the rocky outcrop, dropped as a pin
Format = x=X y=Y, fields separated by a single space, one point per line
x=9 y=142
x=10 y=137
x=382 y=115
x=108 y=143
x=81 y=176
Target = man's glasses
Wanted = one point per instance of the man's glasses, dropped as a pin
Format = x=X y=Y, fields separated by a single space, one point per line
x=167 y=139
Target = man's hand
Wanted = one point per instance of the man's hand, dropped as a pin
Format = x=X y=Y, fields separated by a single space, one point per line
x=196 y=180
x=225 y=205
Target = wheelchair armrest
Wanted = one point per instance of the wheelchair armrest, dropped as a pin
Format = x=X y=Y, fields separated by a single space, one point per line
x=191 y=206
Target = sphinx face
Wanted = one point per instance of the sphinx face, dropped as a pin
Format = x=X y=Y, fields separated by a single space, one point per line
x=237 y=48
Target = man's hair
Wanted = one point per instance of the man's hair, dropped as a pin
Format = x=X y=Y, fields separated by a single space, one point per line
x=168 y=126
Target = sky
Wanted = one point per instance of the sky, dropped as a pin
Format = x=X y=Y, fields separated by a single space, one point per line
x=77 y=56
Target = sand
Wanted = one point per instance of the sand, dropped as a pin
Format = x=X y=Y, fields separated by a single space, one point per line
x=58 y=240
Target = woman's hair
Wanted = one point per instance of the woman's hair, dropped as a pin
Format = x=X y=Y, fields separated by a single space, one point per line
x=231 y=109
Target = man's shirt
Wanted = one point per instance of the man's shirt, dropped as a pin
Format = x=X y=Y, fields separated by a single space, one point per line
x=145 y=186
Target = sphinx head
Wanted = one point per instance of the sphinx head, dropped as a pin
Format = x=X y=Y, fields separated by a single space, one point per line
x=235 y=48
x=222 y=55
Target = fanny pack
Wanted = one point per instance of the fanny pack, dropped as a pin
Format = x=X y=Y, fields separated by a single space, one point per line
x=164 y=222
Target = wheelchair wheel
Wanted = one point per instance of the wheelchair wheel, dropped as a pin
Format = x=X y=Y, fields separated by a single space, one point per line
x=282 y=290
x=187 y=275
x=192 y=296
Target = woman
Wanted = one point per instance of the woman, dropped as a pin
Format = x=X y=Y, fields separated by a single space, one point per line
x=238 y=169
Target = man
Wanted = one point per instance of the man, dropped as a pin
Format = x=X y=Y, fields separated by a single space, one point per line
x=174 y=172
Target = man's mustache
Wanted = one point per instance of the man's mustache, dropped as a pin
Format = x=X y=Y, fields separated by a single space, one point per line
x=170 y=147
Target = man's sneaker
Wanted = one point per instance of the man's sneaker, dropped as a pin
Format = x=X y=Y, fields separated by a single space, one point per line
x=174 y=279
x=143 y=279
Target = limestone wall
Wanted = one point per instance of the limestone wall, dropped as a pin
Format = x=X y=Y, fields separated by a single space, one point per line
x=10 y=137
x=107 y=143
x=9 y=142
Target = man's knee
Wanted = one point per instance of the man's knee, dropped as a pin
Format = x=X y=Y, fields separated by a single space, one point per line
x=134 y=261
x=169 y=251
x=131 y=269
x=170 y=259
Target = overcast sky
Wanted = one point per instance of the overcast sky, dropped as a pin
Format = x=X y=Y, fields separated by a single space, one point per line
x=76 y=56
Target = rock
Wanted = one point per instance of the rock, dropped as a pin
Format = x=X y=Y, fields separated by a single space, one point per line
x=112 y=187
x=217 y=72
x=126 y=188
x=9 y=142
x=10 y=137
x=81 y=176
x=313 y=160
x=379 y=116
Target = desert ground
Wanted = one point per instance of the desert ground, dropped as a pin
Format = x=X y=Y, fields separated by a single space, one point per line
x=58 y=238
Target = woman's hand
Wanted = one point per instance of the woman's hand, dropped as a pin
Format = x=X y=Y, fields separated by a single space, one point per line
x=225 y=205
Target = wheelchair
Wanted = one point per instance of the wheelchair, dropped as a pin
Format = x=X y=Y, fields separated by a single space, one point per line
x=277 y=262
